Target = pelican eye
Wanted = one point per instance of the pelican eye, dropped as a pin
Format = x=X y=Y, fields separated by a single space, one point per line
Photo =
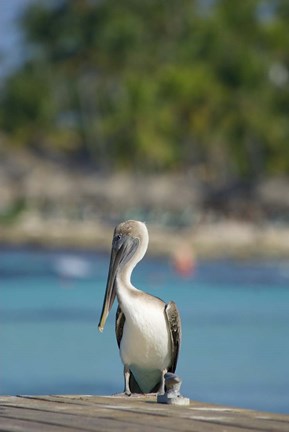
x=117 y=237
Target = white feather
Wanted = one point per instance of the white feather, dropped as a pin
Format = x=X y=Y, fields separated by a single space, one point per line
x=145 y=346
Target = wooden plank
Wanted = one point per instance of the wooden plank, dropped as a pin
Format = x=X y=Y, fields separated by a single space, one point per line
x=96 y=413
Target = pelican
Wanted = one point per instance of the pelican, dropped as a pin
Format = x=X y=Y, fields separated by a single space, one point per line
x=148 y=331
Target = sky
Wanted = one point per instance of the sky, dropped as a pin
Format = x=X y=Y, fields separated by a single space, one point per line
x=10 y=34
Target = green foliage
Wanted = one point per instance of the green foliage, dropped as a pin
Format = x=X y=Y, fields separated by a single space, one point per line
x=11 y=214
x=156 y=84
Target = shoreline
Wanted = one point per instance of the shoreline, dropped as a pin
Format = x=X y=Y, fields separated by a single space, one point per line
x=225 y=239
x=44 y=202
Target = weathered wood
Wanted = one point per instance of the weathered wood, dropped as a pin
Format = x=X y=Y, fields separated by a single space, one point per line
x=95 y=413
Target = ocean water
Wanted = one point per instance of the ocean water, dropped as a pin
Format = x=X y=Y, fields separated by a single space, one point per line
x=235 y=316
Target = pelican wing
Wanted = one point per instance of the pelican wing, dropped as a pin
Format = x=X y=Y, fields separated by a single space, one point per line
x=174 y=322
x=119 y=323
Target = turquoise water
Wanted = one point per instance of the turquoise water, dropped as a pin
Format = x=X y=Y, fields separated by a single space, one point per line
x=235 y=317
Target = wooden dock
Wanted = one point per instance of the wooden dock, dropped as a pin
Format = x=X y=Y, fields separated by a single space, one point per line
x=109 y=414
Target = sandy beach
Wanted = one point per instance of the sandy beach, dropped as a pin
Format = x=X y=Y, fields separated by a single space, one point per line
x=46 y=203
x=219 y=240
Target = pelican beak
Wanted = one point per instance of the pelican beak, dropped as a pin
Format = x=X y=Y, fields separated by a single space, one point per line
x=110 y=291
x=122 y=250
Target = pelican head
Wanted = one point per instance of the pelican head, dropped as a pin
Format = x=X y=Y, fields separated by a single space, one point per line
x=129 y=244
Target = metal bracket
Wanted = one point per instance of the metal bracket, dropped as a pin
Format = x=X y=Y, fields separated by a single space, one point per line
x=172 y=396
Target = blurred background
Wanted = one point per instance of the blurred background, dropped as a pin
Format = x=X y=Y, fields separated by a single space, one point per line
x=175 y=113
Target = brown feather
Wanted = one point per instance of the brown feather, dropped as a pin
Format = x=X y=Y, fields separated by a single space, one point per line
x=174 y=322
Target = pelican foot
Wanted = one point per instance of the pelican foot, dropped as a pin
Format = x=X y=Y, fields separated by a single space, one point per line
x=121 y=394
x=133 y=395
